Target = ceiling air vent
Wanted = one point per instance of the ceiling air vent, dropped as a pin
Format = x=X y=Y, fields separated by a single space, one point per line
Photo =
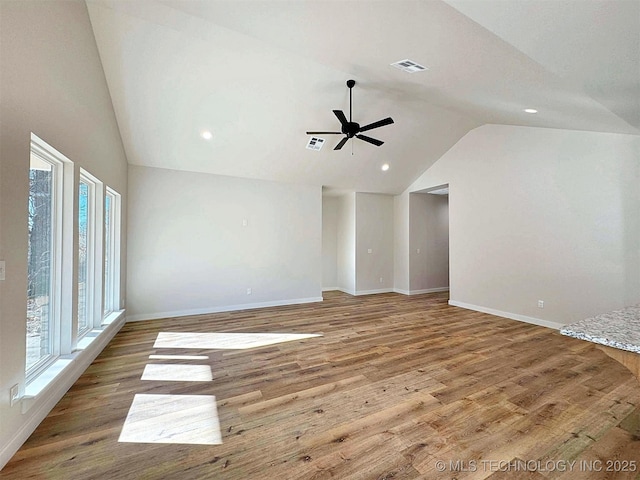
x=315 y=143
x=409 y=66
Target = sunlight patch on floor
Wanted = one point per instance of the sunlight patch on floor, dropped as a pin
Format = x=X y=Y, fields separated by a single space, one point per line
x=181 y=419
x=177 y=373
x=225 y=341
x=187 y=419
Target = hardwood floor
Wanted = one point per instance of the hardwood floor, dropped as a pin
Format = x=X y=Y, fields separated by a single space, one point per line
x=393 y=386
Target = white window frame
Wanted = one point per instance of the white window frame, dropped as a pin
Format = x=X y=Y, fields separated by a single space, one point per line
x=94 y=254
x=62 y=202
x=111 y=292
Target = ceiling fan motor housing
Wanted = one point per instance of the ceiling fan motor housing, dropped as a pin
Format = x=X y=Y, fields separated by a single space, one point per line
x=350 y=129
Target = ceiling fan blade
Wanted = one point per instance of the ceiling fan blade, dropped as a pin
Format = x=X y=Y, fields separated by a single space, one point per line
x=341 y=144
x=374 y=141
x=379 y=123
x=325 y=133
x=341 y=117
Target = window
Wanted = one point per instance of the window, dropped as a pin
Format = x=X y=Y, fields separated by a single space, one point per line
x=111 y=252
x=44 y=255
x=73 y=263
x=41 y=248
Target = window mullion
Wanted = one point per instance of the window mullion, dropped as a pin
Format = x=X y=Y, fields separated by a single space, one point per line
x=98 y=255
x=68 y=310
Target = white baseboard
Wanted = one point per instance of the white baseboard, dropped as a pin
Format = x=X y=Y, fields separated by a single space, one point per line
x=225 y=308
x=35 y=409
x=512 y=316
x=329 y=289
x=356 y=293
x=429 y=290
x=373 y=292
x=394 y=290
x=347 y=291
x=420 y=292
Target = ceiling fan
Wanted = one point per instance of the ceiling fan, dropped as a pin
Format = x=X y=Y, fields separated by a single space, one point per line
x=352 y=129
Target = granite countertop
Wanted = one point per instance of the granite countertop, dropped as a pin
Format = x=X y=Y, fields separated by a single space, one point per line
x=617 y=329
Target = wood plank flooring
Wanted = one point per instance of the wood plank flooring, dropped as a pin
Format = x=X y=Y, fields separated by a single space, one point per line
x=394 y=386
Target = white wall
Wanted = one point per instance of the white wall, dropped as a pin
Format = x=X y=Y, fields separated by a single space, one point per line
x=401 y=228
x=346 y=243
x=542 y=214
x=374 y=232
x=51 y=84
x=329 y=243
x=190 y=253
x=428 y=242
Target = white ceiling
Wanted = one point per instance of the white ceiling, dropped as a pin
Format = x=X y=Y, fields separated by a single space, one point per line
x=258 y=74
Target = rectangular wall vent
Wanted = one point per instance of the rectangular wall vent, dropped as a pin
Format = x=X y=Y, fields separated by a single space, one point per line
x=315 y=143
x=409 y=66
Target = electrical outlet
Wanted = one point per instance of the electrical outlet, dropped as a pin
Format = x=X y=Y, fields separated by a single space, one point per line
x=540 y=303
x=380 y=279
x=2 y=270
x=369 y=250
x=14 y=394
x=248 y=291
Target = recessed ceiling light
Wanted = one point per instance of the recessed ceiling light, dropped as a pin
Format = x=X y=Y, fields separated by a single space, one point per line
x=207 y=135
x=530 y=110
x=385 y=167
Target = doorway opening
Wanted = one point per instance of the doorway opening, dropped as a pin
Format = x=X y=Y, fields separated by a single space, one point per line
x=429 y=240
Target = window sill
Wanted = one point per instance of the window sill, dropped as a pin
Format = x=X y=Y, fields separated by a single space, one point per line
x=89 y=346
x=112 y=317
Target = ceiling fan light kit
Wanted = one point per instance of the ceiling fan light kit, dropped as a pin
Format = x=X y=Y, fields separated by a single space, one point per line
x=351 y=129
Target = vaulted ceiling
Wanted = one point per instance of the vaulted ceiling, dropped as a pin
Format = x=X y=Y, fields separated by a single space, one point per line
x=259 y=74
